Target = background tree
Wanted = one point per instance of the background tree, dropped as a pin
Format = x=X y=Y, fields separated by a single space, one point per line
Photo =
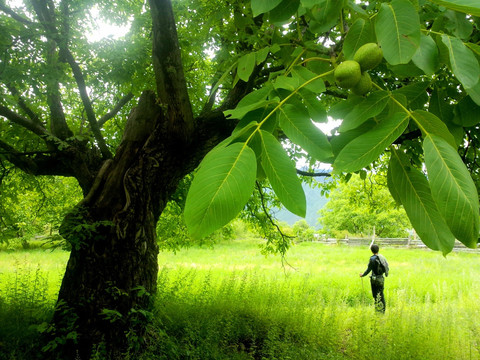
x=31 y=206
x=65 y=100
x=357 y=206
x=303 y=231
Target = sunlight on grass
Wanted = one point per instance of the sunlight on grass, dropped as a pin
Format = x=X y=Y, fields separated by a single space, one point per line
x=232 y=302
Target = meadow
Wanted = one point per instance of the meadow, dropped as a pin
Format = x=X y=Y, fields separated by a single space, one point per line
x=232 y=302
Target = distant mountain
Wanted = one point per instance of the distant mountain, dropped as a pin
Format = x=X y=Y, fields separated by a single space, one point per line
x=315 y=201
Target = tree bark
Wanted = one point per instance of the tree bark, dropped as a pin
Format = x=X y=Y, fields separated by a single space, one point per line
x=113 y=263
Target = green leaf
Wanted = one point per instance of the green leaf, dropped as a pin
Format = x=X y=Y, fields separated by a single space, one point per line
x=340 y=140
x=245 y=67
x=412 y=190
x=220 y=189
x=303 y=74
x=453 y=189
x=286 y=82
x=474 y=47
x=474 y=93
x=326 y=15
x=366 y=148
x=430 y=124
x=439 y=103
x=368 y=108
x=295 y=122
x=262 y=54
x=341 y=109
x=310 y=3
x=282 y=174
x=391 y=184
x=466 y=113
x=416 y=94
x=398 y=31
x=426 y=56
x=462 y=61
x=252 y=101
x=360 y=33
x=284 y=11
x=471 y=7
x=263 y=6
x=458 y=24
x=314 y=106
x=243 y=131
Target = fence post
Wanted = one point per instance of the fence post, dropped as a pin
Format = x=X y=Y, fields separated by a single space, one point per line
x=373 y=236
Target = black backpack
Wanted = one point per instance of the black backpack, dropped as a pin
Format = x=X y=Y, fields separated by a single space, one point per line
x=378 y=267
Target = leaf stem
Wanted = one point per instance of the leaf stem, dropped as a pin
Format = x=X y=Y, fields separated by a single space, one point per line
x=408 y=112
x=315 y=59
x=294 y=62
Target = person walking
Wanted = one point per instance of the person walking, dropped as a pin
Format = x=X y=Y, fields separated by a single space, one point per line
x=378 y=265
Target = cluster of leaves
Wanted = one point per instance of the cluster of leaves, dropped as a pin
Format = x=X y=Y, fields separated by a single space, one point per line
x=32 y=206
x=422 y=109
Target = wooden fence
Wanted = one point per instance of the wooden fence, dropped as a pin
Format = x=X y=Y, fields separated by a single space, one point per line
x=413 y=243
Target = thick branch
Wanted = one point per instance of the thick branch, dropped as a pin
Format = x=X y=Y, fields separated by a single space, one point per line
x=92 y=120
x=67 y=55
x=123 y=101
x=23 y=105
x=28 y=124
x=16 y=158
x=58 y=123
x=46 y=17
x=169 y=76
x=14 y=15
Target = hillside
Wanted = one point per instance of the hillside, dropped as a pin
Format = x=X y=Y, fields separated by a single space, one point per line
x=315 y=201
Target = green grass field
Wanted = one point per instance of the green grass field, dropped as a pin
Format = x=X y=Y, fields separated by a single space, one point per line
x=231 y=302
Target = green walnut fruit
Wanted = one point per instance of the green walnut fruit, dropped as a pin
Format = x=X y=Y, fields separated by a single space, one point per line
x=364 y=85
x=368 y=56
x=348 y=74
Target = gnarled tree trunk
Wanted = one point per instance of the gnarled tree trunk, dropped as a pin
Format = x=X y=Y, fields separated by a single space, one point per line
x=113 y=264
x=112 y=271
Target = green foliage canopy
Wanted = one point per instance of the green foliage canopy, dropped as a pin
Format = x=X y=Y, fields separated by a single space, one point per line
x=422 y=108
x=417 y=109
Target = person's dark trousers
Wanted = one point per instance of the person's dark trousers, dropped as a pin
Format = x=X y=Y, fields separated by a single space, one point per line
x=377 y=283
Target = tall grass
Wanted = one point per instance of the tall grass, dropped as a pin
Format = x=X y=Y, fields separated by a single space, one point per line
x=29 y=282
x=231 y=302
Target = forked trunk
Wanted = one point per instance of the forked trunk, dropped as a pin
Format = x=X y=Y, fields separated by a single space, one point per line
x=106 y=292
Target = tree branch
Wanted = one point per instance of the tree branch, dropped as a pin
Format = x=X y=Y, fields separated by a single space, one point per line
x=123 y=101
x=34 y=127
x=46 y=14
x=169 y=76
x=87 y=104
x=18 y=159
x=14 y=15
x=23 y=105
x=313 y=174
x=46 y=17
x=67 y=55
